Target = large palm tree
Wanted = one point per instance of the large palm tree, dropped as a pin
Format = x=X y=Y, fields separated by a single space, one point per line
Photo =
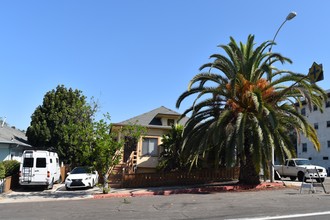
x=244 y=106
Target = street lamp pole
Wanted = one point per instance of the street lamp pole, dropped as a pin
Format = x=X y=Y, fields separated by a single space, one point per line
x=290 y=16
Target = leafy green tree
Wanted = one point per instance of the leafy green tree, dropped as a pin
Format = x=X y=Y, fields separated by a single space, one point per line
x=244 y=107
x=104 y=149
x=106 y=146
x=62 y=123
x=171 y=157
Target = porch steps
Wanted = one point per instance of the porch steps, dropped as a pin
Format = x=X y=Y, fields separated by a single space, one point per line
x=115 y=177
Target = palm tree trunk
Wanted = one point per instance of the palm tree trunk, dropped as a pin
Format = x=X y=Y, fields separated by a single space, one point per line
x=248 y=174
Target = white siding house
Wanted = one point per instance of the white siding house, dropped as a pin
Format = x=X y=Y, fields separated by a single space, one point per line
x=321 y=122
x=12 y=143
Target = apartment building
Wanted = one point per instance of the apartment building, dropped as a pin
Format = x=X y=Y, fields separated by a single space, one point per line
x=321 y=122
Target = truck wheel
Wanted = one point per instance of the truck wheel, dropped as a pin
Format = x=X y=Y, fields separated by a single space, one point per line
x=301 y=176
x=293 y=178
x=321 y=180
x=276 y=176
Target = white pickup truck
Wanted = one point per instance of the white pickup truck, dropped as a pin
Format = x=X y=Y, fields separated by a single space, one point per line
x=299 y=167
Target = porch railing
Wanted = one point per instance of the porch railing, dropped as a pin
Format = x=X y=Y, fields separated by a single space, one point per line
x=131 y=163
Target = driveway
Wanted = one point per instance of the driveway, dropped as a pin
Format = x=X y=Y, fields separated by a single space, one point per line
x=38 y=194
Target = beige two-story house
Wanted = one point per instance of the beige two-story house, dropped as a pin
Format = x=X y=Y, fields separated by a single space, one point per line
x=143 y=156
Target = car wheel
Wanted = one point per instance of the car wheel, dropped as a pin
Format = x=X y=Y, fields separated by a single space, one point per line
x=301 y=176
x=67 y=188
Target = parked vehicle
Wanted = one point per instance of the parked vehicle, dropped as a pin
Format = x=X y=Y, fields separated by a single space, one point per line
x=300 y=167
x=39 y=168
x=81 y=177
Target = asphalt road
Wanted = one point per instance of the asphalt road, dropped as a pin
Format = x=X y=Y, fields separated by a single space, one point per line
x=267 y=204
x=286 y=203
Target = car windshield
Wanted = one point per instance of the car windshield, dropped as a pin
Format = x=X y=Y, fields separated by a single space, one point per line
x=303 y=162
x=79 y=170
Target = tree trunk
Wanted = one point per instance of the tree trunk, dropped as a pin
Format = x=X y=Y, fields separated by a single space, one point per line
x=248 y=174
x=105 y=183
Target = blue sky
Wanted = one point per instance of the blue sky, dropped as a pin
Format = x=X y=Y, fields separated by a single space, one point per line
x=135 y=56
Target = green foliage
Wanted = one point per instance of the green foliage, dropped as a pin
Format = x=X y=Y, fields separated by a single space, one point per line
x=62 y=124
x=244 y=106
x=171 y=157
x=11 y=167
x=2 y=171
x=105 y=147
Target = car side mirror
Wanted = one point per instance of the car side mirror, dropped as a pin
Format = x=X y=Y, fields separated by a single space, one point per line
x=68 y=173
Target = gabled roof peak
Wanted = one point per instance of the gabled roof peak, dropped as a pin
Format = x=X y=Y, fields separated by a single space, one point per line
x=145 y=119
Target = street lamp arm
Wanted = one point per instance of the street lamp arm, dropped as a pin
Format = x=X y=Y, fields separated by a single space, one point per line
x=290 y=16
x=278 y=30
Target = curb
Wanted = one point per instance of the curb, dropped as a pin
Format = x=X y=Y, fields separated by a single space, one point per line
x=198 y=190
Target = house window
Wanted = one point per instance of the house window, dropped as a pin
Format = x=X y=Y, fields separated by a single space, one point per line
x=304 y=147
x=170 y=122
x=314 y=108
x=328 y=124
x=327 y=104
x=316 y=126
x=325 y=158
x=328 y=144
x=150 y=147
x=303 y=111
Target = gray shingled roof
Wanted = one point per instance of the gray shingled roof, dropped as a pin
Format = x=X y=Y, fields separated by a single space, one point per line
x=11 y=135
x=146 y=118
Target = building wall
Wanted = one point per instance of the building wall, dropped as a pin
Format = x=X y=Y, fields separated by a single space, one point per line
x=305 y=148
x=149 y=162
x=9 y=152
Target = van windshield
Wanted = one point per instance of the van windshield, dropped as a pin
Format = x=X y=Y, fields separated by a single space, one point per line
x=28 y=162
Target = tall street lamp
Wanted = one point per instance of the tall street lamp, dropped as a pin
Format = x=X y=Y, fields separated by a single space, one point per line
x=290 y=16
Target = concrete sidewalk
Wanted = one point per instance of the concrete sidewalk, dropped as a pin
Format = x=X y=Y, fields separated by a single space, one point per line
x=59 y=192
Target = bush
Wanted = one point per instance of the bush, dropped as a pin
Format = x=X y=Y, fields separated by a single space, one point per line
x=2 y=171
x=11 y=167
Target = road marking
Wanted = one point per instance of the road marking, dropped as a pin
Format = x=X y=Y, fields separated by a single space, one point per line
x=284 y=216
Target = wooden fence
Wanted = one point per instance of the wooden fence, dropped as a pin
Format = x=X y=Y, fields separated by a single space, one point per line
x=180 y=178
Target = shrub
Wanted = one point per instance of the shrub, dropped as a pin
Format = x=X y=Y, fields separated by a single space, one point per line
x=11 y=167
x=2 y=171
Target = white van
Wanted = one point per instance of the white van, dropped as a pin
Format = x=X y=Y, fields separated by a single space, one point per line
x=39 y=167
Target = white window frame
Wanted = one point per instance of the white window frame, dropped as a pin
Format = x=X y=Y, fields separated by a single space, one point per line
x=150 y=146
